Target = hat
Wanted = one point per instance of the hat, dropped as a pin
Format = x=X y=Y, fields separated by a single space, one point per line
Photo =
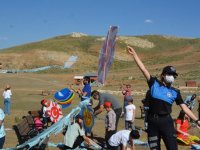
x=63 y=94
x=169 y=70
x=129 y=98
x=79 y=116
x=107 y=104
x=43 y=101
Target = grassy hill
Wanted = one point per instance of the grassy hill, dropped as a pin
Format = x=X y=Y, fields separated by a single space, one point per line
x=156 y=51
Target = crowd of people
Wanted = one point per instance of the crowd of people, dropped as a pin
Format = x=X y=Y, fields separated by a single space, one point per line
x=158 y=103
x=158 y=120
x=162 y=95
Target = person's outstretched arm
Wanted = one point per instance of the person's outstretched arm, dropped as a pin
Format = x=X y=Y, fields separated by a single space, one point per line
x=190 y=113
x=86 y=139
x=99 y=110
x=139 y=63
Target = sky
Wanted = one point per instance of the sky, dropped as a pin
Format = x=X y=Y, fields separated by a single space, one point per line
x=26 y=21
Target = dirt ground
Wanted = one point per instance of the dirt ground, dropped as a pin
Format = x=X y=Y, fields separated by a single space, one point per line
x=27 y=94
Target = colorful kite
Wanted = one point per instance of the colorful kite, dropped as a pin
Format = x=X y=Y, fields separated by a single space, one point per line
x=54 y=112
x=107 y=54
x=54 y=129
x=64 y=97
x=88 y=119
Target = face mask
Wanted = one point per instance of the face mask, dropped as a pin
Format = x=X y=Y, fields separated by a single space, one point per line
x=169 y=79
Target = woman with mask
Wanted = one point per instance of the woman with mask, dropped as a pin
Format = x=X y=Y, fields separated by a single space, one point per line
x=162 y=95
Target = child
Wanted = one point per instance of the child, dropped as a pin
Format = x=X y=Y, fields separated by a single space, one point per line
x=122 y=139
x=126 y=91
x=38 y=124
x=110 y=121
x=130 y=113
x=45 y=116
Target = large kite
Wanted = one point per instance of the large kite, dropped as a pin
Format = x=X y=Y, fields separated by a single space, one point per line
x=54 y=129
x=64 y=97
x=107 y=54
x=54 y=111
x=88 y=119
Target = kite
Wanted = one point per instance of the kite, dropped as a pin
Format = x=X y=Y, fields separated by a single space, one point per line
x=188 y=140
x=70 y=62
x=64 y=97
x=54 y=112
x=54 y=129
x=88 y=119
x=107 y=54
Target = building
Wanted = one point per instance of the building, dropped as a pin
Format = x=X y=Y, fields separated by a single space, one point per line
x=93 y=77
x=191 y=84
x=79 y=79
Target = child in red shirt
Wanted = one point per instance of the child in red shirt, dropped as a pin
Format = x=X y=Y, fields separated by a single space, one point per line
x=126 y=91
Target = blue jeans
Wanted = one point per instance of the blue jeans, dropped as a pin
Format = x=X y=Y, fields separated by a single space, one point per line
x=7 y=106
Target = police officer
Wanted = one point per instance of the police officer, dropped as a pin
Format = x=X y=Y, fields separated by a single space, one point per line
x=162 y=96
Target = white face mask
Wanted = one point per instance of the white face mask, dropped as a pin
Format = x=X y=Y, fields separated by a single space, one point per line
x=169 y=79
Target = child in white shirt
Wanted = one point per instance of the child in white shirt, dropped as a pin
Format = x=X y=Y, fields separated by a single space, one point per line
x=130 y=113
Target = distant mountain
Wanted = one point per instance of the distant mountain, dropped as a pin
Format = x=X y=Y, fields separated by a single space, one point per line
x=156 y=51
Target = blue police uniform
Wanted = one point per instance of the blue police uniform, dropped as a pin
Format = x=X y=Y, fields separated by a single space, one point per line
x=160 y=123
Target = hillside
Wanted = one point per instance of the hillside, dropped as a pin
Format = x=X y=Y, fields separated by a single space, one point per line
x=156 y=51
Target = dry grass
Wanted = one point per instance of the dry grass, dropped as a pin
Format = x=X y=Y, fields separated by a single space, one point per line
x=155 y=51
x=31 y=59
x=27 y=89
x=136 y=41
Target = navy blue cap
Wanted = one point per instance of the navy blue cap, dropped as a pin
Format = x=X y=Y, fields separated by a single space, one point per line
x=170 y=70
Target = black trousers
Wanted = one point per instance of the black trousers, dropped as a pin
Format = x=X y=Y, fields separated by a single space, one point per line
x=77 y=143
x=118 y=112
x=115 y=147
x=161 y=127
x=198 y=111
x=2 y=141
x=108 y=135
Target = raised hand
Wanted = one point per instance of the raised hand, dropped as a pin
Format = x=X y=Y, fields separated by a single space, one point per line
x=131 y=50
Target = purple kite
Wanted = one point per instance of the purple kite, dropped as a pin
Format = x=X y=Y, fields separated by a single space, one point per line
x=107 y=54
